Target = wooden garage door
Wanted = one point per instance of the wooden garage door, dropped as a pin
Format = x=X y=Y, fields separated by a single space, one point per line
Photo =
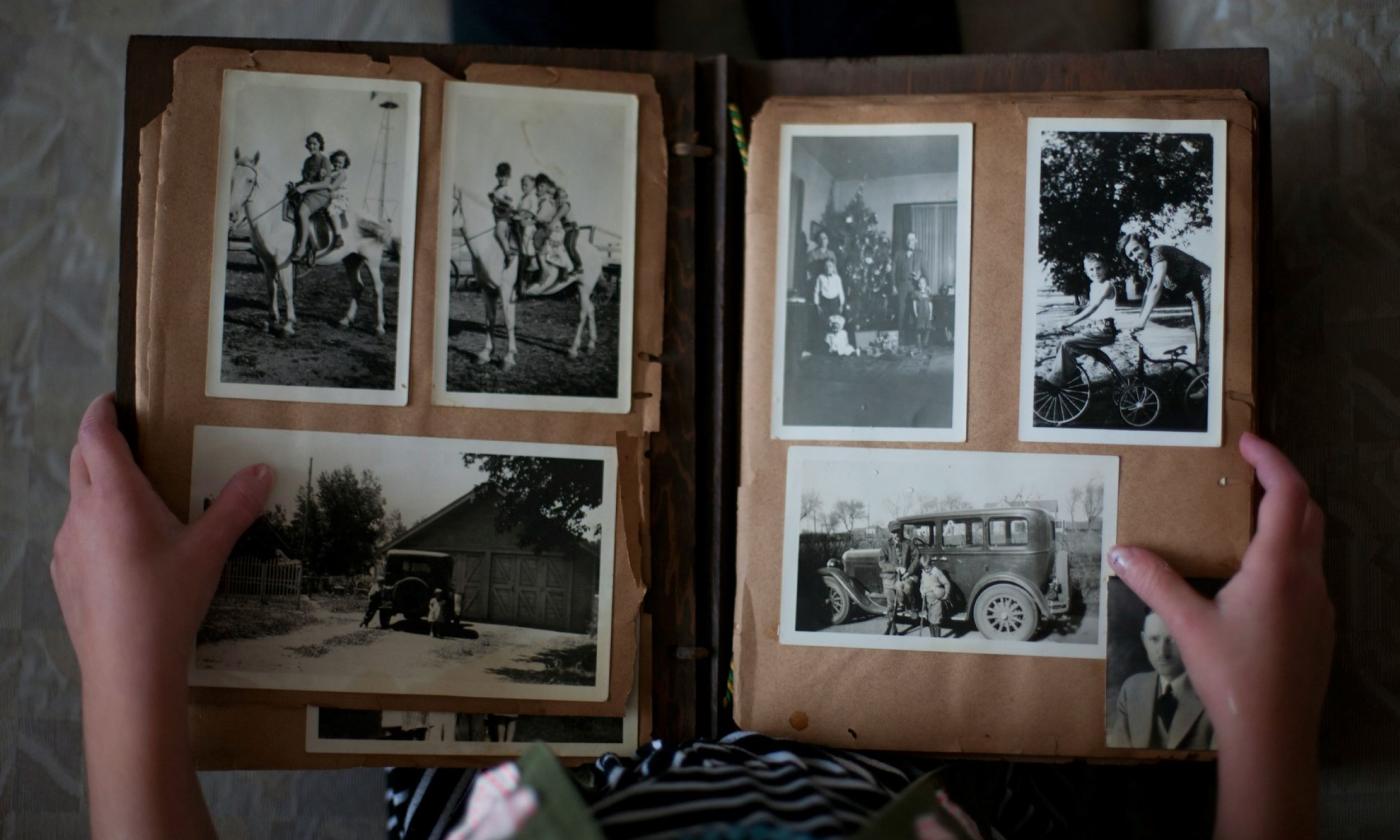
x=471 y=580
x=530 y=590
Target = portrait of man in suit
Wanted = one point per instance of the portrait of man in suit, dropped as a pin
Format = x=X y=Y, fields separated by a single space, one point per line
x=1159 y=709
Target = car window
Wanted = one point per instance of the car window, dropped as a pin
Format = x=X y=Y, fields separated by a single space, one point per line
x=962 y=533
x=1009 y=532
x=918 y=533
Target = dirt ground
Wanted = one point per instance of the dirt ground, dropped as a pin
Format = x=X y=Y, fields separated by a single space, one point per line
x=334 y=644
x=1085 y=631
x=544 y=331
x=322 y=353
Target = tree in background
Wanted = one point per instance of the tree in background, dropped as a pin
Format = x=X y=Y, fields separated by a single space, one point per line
x=338 y=522
x=555 y=492
x=811 y=507
x=1093 y=185
x=1093 y=500
x=848 y=512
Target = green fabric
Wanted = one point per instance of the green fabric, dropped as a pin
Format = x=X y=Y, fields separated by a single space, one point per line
x=562 y=811
x=919 y=803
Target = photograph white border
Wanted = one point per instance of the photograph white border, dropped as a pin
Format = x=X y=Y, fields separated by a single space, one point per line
x=235 y=81
x=455 y=95
x=1211 y=437
x=631 y=735
x=957 y=432
x=995 y=462
x=207 y=438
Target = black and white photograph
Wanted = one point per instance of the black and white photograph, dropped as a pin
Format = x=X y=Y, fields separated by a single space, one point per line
x=330 y=730
x=311 y=291
x=969 y=552
x=1149 y=702
x=536 y=249
x=402 y=565
x=1122 y=328
x=870 y=326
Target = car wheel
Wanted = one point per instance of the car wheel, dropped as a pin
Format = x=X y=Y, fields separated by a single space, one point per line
x=837 y=602
x=1005 y=612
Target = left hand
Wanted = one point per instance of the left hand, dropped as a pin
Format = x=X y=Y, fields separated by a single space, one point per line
x=133 y=581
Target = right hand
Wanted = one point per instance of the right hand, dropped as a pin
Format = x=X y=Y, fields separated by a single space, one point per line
x=1260 y=653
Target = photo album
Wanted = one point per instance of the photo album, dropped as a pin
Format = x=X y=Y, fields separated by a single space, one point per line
x=618 y=396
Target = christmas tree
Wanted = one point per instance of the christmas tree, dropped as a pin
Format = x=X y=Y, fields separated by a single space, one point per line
x=864 y=260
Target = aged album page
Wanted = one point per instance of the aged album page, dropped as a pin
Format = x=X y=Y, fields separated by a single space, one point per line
x=986 y=337
x=190 y=199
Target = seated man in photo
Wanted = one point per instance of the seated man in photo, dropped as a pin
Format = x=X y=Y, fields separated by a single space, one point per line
x=1159 y=709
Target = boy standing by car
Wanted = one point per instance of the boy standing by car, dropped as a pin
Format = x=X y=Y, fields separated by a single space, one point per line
x=933 y=589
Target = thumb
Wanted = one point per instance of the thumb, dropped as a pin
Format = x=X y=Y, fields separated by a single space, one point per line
x=237 y=506
x=1165 y=592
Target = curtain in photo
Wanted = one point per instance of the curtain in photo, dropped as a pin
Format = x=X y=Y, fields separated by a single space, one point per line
x=936 y=225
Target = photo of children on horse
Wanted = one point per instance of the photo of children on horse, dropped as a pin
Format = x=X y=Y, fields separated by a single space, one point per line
x=310 y=202
x=538 y=225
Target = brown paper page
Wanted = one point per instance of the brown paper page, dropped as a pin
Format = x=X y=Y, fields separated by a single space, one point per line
x=172 y=318
x=1191 y=504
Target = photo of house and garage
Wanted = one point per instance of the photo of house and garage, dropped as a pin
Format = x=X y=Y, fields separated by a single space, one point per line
x=421 y=562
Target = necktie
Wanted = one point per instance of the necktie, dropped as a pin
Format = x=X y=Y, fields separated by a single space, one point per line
x=1166 y=707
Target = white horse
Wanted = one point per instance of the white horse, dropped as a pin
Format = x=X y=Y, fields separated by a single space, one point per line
x=502 y=285
x=365 y=241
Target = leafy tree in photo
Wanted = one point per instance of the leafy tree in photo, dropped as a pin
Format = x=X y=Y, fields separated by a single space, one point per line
x=353 y=515
x=545 y=498
x=1093 y=184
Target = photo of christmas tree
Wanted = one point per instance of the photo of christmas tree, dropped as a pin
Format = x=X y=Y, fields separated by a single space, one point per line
x=874 y=223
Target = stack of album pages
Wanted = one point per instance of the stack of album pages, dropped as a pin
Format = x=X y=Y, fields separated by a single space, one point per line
x=430 y=304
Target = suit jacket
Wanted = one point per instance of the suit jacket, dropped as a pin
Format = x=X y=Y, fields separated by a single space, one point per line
x=1133 y=717
x=904 y=267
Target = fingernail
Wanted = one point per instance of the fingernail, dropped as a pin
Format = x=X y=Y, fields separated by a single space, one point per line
x=262 y=472
x=1119 y=558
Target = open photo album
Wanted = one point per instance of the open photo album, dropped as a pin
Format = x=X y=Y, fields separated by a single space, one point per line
x=598 y=415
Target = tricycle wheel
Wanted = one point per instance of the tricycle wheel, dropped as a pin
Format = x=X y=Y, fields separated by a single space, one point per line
x=1005 y=612
x=837 y=602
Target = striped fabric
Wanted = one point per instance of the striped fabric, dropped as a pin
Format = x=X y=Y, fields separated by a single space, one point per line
x=744 y=781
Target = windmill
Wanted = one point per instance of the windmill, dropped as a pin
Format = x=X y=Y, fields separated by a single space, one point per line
x=377 y=199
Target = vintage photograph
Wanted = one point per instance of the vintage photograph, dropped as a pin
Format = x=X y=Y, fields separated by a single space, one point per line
x=401 y=565
x=874 y=232
x=316 y=201
x=536 y=249
x=1149 y=703
x=1124 y=289
x=331 y=730
x=974 y=552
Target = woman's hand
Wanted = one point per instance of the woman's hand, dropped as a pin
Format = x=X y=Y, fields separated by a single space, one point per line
x=1258 y=655
x=132 y=580
x=134 y=584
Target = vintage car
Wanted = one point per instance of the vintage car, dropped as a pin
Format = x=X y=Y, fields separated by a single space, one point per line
x=1007 y=575
x=409 y=580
